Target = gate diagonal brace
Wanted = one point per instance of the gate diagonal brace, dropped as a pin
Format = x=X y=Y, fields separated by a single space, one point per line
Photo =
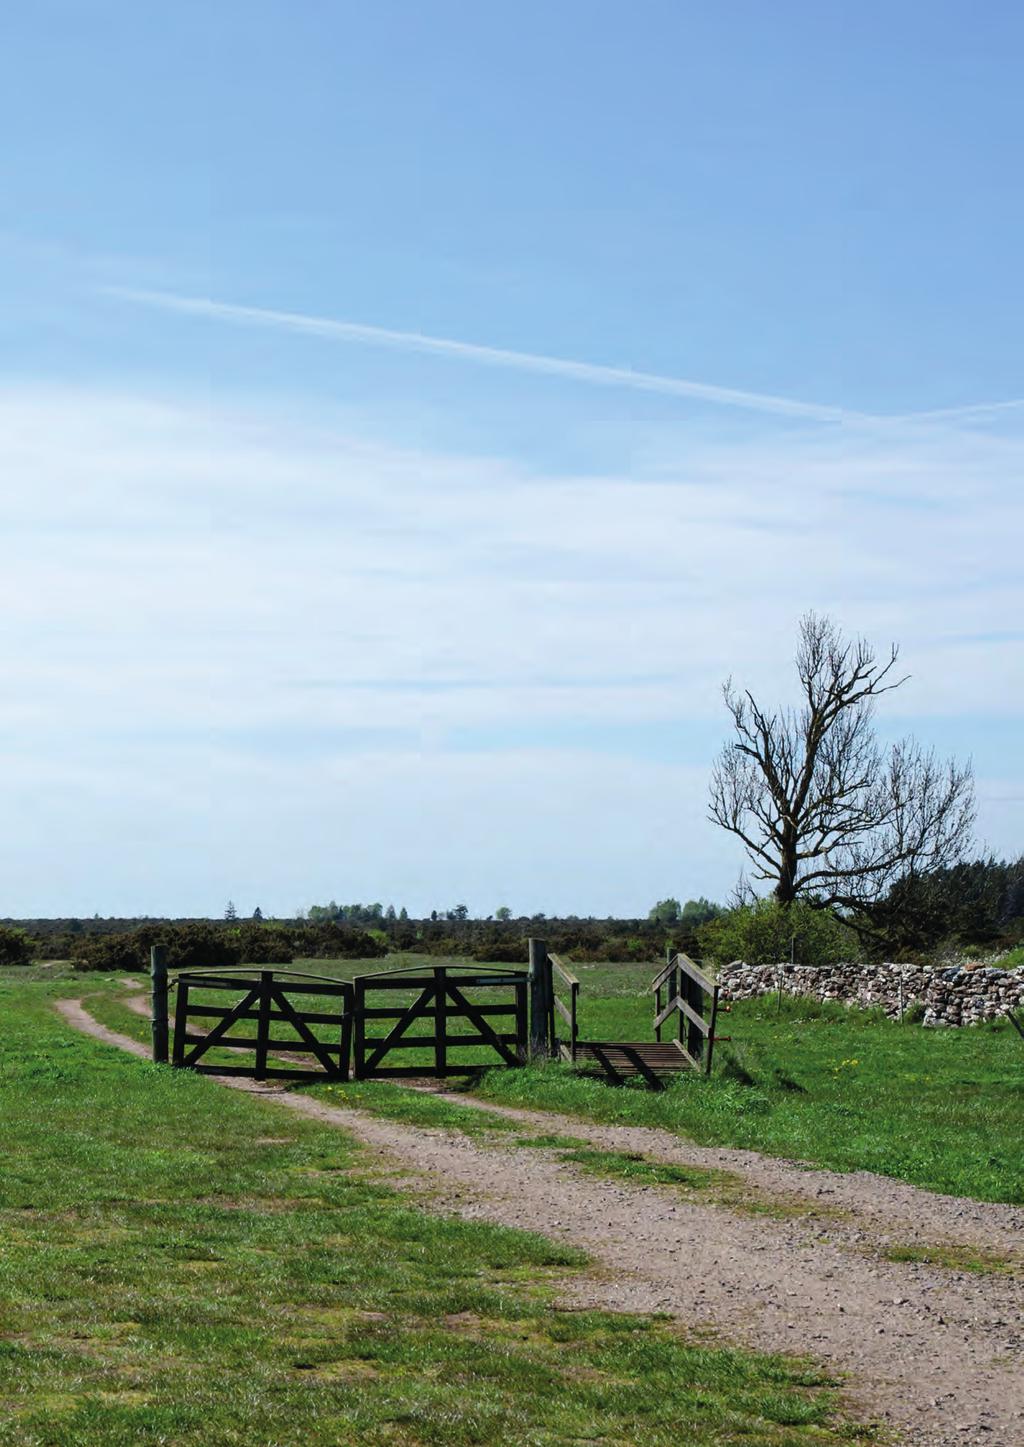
x=490 y=1037
x=289 y=1014
x=415 y=1010
x=221 y=1028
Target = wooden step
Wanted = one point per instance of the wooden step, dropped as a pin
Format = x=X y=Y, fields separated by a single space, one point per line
x=621 y=1059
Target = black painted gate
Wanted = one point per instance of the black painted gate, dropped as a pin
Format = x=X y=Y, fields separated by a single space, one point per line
x=468 y=1009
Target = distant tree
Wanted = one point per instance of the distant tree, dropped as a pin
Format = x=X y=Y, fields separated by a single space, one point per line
x=696 y=912
x=823 y=812
x=503 y=913
x=230 y=911
x=403 y=915
x=15 y=947
x=433 y=915
x=460 y=912
x=389 y=914
x=666 y=911
x=257 y=914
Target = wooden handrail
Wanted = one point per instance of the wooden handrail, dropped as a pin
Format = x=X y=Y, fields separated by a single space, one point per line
x=567 y=1012
x=659 y=980
x=688 y=984
x=695 y=973
x=567 y=975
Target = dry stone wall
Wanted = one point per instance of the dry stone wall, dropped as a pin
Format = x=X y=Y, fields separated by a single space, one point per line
x=961 y=994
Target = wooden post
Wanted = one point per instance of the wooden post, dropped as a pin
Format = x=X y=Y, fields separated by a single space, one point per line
x=358 y=1020
x=158 y=987
x=345 y=1052
x=522 y=1022
x=711 y=1032
x=692 y=993
x=263 y=1024
x=541 y=995
x=440 y=1019
x=180 y=1021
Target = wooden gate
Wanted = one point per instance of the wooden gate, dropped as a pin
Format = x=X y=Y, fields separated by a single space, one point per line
x=266 y=997
x=440 y=997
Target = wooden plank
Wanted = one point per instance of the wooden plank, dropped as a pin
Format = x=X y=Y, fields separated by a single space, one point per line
x=426 y=1072
x=1015 y=1023
x=711 y=1029
x=660 y=978
x=695 y=973
x=358 y=1030
x=271 y=1073
x=522 y=1023
x=397 y=1013
x=278 y=1047
x=564 y=1011
x=225 y=982
x=345 y=1054
x=567 y=975
x=662 y=1015
x=218 y=1012
x=621 y=1064
x=180 y=1025
x=440 y=1022
x=451 y=1042
x=421 y=982
x=695 y=1019
x=158 y=1002
x=263 y=1025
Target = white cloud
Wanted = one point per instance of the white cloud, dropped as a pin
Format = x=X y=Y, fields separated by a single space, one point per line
x=198 y=599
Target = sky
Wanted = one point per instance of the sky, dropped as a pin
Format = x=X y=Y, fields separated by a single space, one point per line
x=411 y=414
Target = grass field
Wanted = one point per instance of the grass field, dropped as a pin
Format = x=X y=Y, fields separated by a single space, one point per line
x=943 y=1109
x=183 y=1264
x=848 y=1089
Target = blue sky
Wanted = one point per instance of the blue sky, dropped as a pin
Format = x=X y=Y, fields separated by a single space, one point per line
x=301 y=600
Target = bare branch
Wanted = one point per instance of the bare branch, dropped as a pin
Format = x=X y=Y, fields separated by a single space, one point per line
x=819 y=808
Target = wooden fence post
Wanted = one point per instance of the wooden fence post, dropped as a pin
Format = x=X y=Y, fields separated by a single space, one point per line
x=541 y=998
x=158 y=987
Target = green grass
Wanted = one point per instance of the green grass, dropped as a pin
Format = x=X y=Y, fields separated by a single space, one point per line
x=840 y=1088
x=956 y=1257
x=184 y=1264
x=709 y=1185
x=846 y=1089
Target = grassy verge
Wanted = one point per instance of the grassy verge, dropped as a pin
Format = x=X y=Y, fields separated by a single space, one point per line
x=181 y=1263
x=834 y=1087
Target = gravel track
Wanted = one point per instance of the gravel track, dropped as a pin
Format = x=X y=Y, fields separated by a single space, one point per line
x=936 y=1353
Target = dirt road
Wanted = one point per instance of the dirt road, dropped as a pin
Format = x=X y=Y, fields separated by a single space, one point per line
x=935 y=1352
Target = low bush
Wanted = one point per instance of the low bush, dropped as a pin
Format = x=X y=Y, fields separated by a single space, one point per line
x=333 y=941
x=767 y=931
x=15 y=947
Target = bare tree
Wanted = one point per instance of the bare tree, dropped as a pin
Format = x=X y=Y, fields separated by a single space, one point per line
x=822 y=810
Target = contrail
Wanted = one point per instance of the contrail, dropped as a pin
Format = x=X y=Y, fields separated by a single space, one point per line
x=591 y=373
x=971 y=409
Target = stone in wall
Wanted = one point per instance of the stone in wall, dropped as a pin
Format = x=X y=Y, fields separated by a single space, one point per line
x=963 y=994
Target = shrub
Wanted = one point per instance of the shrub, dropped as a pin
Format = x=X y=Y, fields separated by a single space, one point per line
x=260 y=944
x=333 y=941
x=189 y=946
x=15 y=947
x=110 y=952
x=766 y=932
